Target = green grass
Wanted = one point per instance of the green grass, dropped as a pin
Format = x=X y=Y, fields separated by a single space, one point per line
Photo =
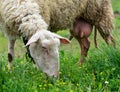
x=99 y=73
x=100 y=67
x=116 y=5
x=3 y=44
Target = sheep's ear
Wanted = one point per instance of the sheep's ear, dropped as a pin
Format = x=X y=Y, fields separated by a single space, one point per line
x=62 y=39
x=32 y=40
x=35 y=38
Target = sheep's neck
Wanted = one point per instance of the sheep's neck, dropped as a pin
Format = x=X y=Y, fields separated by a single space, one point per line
x=30 y=24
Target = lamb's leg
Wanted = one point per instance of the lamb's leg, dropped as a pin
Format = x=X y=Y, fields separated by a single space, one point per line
x=84 y=44
x=11 y=44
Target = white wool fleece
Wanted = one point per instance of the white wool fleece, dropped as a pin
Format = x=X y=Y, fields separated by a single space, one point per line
x=22 y=15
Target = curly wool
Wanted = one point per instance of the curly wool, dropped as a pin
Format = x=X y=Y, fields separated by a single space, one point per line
x=60 y=14
x=23 y=16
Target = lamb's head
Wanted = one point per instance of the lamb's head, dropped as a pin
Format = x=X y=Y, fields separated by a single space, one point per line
x=43 y=48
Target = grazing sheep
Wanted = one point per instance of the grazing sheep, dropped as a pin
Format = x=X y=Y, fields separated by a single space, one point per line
x=81 y=31
x=24 y=17
x=21 y=18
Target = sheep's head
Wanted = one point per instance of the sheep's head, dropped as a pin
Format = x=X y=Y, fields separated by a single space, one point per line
x=43 y=48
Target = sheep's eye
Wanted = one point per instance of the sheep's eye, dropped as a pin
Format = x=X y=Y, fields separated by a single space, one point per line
x=45 y=50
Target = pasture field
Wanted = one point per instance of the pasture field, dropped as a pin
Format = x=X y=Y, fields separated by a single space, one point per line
x=99 y=73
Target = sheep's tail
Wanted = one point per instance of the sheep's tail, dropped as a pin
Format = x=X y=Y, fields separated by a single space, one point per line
x=95 y=37
x=106 y=23
x=108 y=38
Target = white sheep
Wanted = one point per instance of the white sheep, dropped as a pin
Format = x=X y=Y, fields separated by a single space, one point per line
x=32 y=18
x=21 y=18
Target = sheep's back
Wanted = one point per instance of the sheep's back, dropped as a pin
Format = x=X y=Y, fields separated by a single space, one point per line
x=100 y=14
x=60 y=14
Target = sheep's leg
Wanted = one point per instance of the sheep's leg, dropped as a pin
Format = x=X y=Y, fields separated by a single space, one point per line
x=84 y=44
x=11 y=44
x=82 y=53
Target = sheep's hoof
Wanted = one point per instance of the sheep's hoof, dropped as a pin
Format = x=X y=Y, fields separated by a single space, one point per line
x=80 y=62
x=9 y=65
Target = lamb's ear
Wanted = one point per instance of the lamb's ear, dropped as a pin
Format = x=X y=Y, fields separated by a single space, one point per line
x=62 y=39
x=35 y=38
